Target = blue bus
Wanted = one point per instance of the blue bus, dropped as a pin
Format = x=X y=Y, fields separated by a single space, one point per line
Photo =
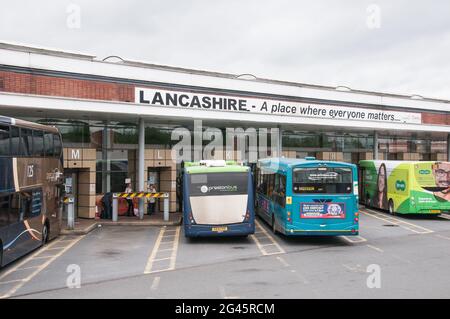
x=307 y=196
x=218 y=199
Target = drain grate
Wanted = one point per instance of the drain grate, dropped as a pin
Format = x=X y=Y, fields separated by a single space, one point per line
x=390 y=225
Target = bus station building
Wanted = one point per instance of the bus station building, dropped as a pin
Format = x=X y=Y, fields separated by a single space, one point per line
x=117 y=116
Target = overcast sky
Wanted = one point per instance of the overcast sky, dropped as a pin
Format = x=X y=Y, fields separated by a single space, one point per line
x=394 y=46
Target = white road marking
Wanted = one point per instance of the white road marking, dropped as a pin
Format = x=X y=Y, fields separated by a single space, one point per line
x=155 y=283
x=282 y=261
x=375 y=248
x=389 y=219
x=443 y=237
x=444 y=216
x=263 y=247
x=35 y=256
x=354 y=239
x=224 y=295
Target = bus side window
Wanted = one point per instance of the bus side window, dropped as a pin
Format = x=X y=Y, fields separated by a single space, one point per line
x=4 y=210
x=14 y=207
x=57 y=145
x=282 y=190
x=4 y=140
x=48 y=144
x=15 y=141
x=26 y=142
x=270 y=184
x=38 y=143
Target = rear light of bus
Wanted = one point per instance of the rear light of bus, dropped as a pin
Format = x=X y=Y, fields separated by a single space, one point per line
x=353 y=231
x=289 y=219
x=247 y=215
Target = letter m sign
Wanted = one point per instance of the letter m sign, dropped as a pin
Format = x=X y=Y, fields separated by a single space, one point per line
x=75 y=155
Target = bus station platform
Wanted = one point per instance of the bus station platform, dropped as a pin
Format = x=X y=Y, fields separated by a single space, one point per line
x=84 y=226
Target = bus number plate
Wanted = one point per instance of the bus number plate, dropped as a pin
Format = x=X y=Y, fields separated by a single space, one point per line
x=219 y=229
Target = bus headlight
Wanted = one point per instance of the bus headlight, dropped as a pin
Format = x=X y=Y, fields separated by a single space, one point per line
x=191 y=218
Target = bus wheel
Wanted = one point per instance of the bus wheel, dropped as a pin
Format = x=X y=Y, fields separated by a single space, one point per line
x=44 y=234
x=391 y=207
x=274 y=225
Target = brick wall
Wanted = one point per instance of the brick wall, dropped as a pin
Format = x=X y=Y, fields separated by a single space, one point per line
x=66 y=87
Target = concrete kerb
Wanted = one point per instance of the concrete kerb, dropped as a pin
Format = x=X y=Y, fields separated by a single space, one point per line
x=97 y=224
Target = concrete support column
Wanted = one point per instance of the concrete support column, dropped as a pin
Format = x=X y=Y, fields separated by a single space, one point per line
x=141 y=168
x=280 y=141
x=448 y=147
x=375 y=145
x=106 y=164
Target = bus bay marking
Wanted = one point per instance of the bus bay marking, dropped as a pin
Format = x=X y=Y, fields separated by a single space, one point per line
x=263 y=247
x=23 y=281
x=405 y=225
x=153 y=259
x=354 y=239
x=375 y=248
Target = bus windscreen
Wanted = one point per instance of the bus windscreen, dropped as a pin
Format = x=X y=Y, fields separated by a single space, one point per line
x=322 y=180
x=214 y=184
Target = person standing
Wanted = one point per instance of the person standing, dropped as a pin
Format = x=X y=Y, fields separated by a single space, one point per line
x=151 y=200
x=130 y=211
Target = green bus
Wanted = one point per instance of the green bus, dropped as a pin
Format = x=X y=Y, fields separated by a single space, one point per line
x=405 y=187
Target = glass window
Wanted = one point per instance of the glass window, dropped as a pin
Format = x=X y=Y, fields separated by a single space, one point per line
x=15 y=141
x=214 y=184
x=323 y=180
x=4 y=210
x=48 y=144
x=4 y=140
x=57 y=144
x=38 y=143
x=26 y=144
x=14 y=208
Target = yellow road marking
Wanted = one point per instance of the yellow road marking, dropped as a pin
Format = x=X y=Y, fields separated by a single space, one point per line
x=173 y=240
x=261 y=247
x=396 y=221
x=23 y=281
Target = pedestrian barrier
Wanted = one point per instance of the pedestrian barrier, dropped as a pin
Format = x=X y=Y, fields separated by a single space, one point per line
x=140 y=195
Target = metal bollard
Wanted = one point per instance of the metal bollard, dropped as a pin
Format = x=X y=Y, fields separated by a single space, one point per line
x=70 y=213
x=115 y=207
x=166 y=207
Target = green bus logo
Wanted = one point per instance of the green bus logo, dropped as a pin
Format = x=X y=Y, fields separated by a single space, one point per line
x=424 y=172
x=400 y=185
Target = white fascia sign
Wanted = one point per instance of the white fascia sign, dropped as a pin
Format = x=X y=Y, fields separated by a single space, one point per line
x=228 y=103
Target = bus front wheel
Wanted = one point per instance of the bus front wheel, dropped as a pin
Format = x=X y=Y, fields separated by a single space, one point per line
x=44 y=234
x=391 y=207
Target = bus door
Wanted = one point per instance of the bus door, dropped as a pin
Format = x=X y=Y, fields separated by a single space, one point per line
x=278 y=202
x=324 y=197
